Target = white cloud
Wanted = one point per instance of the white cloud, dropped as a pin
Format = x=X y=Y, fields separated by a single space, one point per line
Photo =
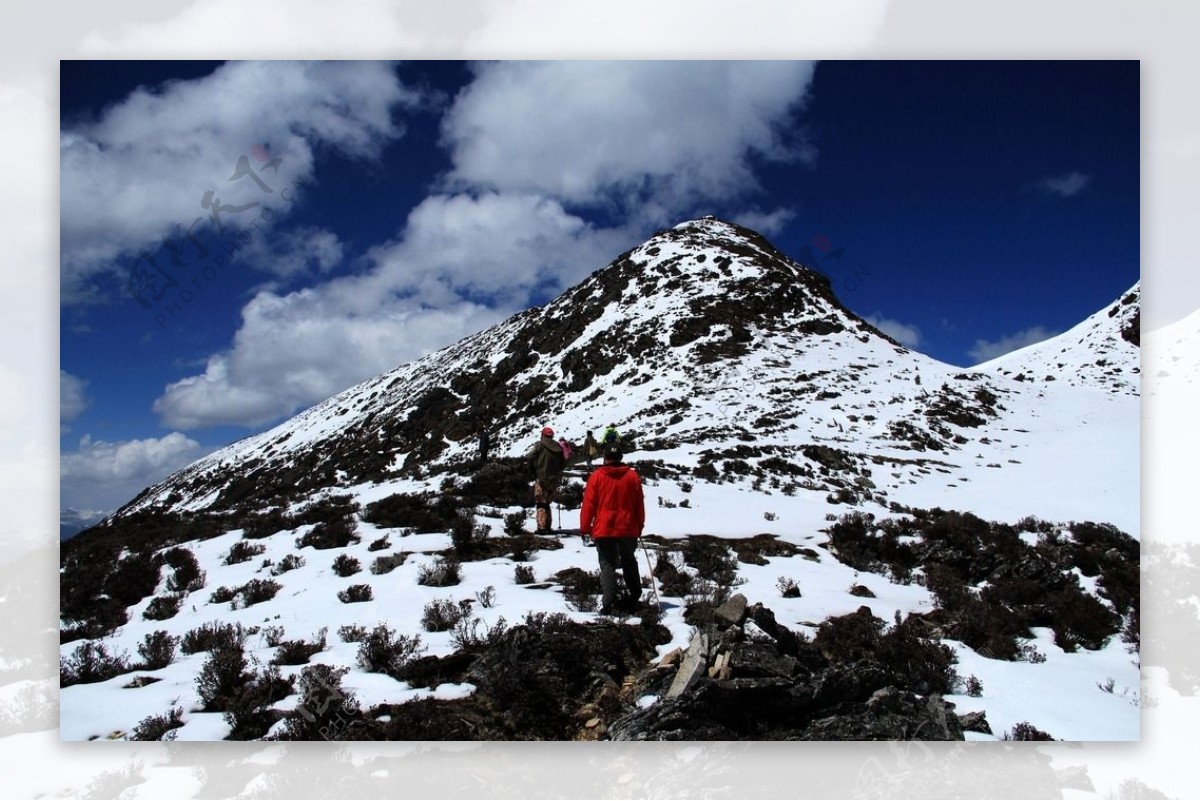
x=985 y=351
x=297 y=349
x=294 y=253
x=72 y=396
x=905 y=334
x=1067 y=185
x=640 y=134
x=498 y=246
x=767 y=223
x=527 y=141
x=103 y=475
x=462 y=264
x=140 y=172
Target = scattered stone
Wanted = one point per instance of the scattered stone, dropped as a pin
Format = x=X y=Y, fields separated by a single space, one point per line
x=732 y=612
x=692 y=667
x=975 y=721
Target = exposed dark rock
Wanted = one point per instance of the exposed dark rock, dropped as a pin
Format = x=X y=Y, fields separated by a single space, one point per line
x=732 y=612
x=975 y=721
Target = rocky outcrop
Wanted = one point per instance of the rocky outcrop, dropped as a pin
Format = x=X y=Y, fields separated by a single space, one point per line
x=773 y=684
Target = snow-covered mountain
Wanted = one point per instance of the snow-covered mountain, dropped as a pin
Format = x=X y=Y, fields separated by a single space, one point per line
x=706 y=343
x=1102 y=351
x=752 y=402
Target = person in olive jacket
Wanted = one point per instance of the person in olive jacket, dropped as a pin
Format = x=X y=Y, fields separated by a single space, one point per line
x=613 y=515
x=546 y=462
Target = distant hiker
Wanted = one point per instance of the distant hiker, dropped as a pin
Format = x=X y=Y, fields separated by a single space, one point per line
x=613 y=514
x=611 y=438
x=485 y=444
x=591 y=449
x=565 y=444
x=546 y=464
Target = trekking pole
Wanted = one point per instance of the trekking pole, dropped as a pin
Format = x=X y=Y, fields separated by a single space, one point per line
x=653 y=586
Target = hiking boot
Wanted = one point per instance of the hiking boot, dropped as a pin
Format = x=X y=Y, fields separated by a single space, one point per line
x=627 y=604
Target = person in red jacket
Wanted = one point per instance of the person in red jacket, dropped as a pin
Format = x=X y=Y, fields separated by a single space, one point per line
x=613 y=515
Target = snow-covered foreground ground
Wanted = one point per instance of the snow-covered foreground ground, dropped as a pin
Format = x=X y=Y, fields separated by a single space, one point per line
x=1077 y=696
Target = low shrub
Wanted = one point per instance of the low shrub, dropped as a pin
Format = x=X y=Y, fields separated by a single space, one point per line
x=213 y=636
x=424 y=513
x=264 y=525
x=788 y=588
x=162 y=607
x=467 y=534
x=90 y=663
x=186 y=575
x=381 y=544
x=249 y=712
x=346 y=565
x=243 y=551
x=336 y=533
x=386 y=564
x=325 y=707
x=1027 y=732
x=851 y=637
x=1080 y=619
x=443 y=615
x=133 y=578
x=674 y=582
x=155 y=728
x=272 y=635
x=287 y=563
x=442 y=572
x=570 y=495
x=335 y=508
x=256 y=591
x=385 y=651
x=222 y=595
x=472 y=634
x=580 y=588
x=921 y=664
x=298 y=652
x=711 y=559
x=523 y=546
x=502 y=482
x=221 y=678
x=157 y=650
x=356 y=593
x=352 y=633
x=523 y=574
x=514 y=524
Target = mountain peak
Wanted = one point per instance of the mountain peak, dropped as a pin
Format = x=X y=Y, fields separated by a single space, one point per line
x=703 y=338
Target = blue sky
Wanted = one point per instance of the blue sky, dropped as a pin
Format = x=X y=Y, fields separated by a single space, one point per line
x=325 y=222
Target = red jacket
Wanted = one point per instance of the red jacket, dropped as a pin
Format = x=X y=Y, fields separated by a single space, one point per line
x=612 y=503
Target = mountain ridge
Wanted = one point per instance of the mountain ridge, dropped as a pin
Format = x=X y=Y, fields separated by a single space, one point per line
x=676 y=341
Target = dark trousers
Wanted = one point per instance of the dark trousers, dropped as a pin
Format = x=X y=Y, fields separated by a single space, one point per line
x=617 y=552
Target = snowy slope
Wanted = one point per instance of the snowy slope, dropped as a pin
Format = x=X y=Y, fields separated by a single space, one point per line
x=704 y=338
x=758 y=404
x=1103 y=351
